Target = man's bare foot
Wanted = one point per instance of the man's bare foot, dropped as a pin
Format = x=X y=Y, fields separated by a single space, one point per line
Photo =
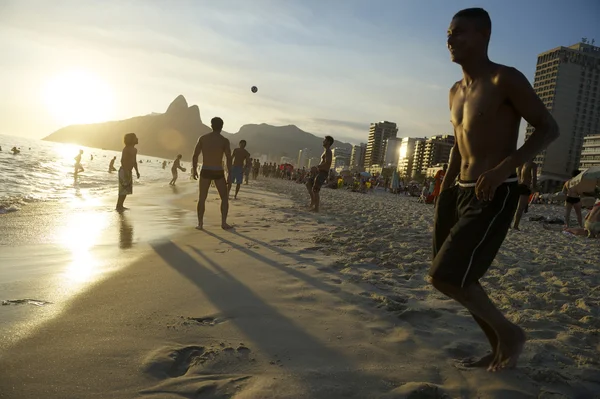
x=471 y=362
x=199 y=227
x=509 y=350
x=121 y=209
x=226 y=226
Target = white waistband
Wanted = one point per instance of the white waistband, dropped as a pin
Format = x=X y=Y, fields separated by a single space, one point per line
x=473 y=184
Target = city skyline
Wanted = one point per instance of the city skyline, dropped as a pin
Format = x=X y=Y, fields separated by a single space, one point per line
x=327 y=68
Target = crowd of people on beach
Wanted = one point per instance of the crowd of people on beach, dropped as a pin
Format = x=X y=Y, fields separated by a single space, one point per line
x=479 y=195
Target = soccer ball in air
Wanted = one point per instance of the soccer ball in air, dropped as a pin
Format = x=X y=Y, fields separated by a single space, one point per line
x=254 y=89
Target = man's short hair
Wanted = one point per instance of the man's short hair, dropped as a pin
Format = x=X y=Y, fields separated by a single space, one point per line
x=330 y=139
x=243 y=142
x=129 y=138
x=479 y=15
x=216 y=123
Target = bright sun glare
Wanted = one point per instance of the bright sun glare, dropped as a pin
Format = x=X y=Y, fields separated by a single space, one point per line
x=78 y=96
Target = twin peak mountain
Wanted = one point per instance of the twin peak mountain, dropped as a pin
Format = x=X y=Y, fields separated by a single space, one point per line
x=177 y=130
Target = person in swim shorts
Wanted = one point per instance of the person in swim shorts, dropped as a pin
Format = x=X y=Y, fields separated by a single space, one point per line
x=472 y=218
x=527 y=175
x=176 y=165
x=573 y=201
x=315 y=183
x=128 y=163
x=213 y=146
x=241 y=163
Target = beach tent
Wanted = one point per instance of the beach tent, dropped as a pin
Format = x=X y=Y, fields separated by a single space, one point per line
x=365 y=174
x=586 y=181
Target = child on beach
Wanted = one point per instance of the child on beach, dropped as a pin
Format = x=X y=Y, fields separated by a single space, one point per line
x=128 y=162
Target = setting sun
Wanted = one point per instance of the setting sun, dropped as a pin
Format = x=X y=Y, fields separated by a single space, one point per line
x=79 y=97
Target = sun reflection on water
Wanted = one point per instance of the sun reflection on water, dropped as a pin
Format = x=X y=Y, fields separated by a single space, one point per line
x=80 y=234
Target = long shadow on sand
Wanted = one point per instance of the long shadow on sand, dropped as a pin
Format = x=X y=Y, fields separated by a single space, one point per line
x=327 y=371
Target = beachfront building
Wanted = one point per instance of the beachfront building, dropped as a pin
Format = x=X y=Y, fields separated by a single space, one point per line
x=431 y=151
x=567 y=81
x=379 y=133
x=392 y=151
x=303 y=156
x=357 y=157
x=340 y=157
x=432 y=170
x=590 y=152
x=313 y=161
x=406 y=155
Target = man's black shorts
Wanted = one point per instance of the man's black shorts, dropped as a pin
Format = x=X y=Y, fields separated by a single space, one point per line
x=469 y=232
x=212 y=174
x=317 y=182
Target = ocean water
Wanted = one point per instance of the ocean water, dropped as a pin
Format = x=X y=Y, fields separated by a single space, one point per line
x=43 y=171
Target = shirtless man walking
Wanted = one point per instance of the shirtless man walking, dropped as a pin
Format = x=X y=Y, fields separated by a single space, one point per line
x=573 y=200
x=241 y=162
x=472 y=218
x=212 y=146
x=527 y=175
x=314 y=184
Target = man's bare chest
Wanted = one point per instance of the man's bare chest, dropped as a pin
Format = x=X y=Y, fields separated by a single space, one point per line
x=476 y=108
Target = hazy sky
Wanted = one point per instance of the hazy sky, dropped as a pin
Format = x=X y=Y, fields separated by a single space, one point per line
x=328 y=66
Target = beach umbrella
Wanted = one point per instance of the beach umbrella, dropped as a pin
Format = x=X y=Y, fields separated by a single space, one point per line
x=365 y=174
x=586 y=181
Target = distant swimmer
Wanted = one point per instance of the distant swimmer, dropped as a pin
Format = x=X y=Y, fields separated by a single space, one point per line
x=212 y=146
x=176 y=165
x=472 y=218
x=241 y=163
x=111 y=165
x=164 y=164
x=128 y=163
x=91 y=157
x=78 y=167
x=315 y=183
x=15 y=150
x=527 y=174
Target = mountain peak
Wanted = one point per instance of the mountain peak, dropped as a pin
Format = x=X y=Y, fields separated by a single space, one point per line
x=178 y=104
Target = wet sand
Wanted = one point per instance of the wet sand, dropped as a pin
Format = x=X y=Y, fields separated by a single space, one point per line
x=296 y=305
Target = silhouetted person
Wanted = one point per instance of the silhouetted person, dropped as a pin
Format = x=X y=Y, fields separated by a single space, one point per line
x=241 y=162
x=472 y=218
x=111 y=165
x=164 y=164
x=128 y=163
x=212 y=146
x=176 y=165
x=314 y=185
x=527 y=175
x=78 y=167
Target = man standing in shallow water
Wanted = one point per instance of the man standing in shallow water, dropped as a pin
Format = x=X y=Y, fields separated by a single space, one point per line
x=473 y=217
x=213 y=147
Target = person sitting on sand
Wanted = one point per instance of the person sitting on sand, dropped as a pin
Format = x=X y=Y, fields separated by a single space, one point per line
x=573 y=200
x=527 y=175
x=128 y=163
x=111 y=165
x=591 y=227
x=176 y=165
x=212 y=146
x=240 y=163
x=78 y=167
x=322 y=175
x=472 y=218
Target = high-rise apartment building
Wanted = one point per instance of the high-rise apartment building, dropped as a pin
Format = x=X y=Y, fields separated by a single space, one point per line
x=357 y=157
x=379 y=133
x=340 y=157
x=406 y=155
x=392 y=151
x=431 y=151
x=567 y=81
x=590 y=152
x=302 y=158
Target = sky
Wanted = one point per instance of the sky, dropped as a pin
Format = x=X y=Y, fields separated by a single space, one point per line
x=327 y=66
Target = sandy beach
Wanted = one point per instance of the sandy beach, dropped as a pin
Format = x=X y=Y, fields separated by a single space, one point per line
x=296 y=305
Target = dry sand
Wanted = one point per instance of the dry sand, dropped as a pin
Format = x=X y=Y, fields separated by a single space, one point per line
x=297 y=305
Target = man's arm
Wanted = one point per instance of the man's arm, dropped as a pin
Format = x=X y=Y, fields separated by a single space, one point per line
x=532 y=109
x=197 y=152
x=455 y=157
x=135 y=164
x=227 y=151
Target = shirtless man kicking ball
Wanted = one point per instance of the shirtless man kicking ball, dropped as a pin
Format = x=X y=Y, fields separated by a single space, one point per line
x=472 y=218
x=212 y=146
x=315 y=183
